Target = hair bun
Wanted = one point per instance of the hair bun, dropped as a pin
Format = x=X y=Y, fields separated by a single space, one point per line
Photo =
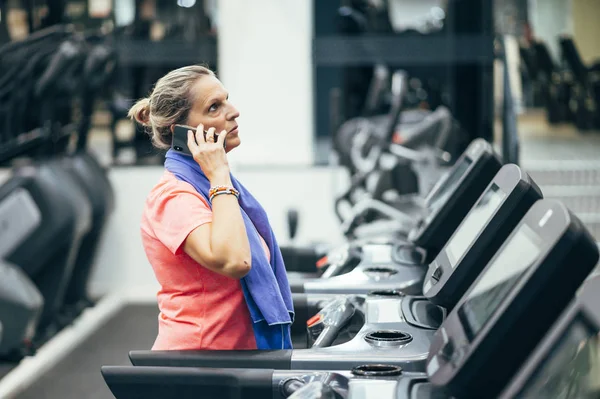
x=140 y=111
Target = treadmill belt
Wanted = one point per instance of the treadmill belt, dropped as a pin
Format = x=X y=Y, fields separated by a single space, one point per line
x=78 y=374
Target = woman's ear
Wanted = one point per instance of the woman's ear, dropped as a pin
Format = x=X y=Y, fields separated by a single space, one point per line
x=172 y=129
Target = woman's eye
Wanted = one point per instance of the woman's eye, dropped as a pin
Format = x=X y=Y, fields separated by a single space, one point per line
x=213 y=107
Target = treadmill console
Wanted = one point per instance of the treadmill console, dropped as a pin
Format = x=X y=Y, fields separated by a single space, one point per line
x=487 y=225
x=457 y=193
x=566 y=364
x=513 y=302
x=448 y=181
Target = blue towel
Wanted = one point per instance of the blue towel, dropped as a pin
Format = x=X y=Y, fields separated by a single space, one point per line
x=266 y=287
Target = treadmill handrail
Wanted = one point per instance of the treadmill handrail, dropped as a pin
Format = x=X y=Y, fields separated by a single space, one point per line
x=441 y=116
x=374 y=205
x=407 y=153
x=356 y=182
x=268 y=359
x=209 y=382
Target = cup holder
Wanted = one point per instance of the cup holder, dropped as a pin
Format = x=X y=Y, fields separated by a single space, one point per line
x=380 y=272
x=387 y=338
x=387 y=293
x=377 y=370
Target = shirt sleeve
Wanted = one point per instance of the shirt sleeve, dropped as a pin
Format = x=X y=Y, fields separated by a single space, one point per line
x=175 y=212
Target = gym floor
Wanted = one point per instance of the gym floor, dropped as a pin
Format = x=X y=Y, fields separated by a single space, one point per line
x=543 y=142
x=69 y=366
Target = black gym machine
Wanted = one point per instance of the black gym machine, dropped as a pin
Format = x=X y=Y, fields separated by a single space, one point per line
x=58 y=198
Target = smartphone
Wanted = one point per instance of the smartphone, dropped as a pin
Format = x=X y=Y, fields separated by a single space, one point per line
x=179 y=140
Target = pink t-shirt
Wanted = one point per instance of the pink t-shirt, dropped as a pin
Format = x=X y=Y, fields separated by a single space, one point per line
x=199 y=309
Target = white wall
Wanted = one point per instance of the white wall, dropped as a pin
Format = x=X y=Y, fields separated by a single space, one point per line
x=265 y=63
x=586 y=29
x=405 y=14
x=122 y=263
x=124 y=12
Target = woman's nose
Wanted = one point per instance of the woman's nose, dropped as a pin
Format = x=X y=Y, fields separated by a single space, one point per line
x=233 y=113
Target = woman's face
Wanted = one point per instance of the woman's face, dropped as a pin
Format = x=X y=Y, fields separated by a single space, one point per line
x=213 y=109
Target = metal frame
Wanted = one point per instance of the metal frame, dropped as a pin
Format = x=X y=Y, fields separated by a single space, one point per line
x=408 y=51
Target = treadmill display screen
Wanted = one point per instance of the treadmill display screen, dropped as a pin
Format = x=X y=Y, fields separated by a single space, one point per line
x=513 y=260
x=475 y=221
x=448 y=186
x=571 y=369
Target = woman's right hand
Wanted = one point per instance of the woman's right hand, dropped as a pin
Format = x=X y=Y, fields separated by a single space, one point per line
x=210 y=155
x=222 y=245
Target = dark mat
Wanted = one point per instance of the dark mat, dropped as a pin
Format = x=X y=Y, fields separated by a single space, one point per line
x=78 y=374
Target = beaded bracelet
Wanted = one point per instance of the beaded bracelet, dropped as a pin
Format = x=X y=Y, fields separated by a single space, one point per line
x=218 y=190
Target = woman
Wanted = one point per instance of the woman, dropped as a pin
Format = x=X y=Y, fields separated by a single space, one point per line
x=222 y=277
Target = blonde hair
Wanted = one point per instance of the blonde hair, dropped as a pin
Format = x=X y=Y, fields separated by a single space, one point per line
x=169 y=103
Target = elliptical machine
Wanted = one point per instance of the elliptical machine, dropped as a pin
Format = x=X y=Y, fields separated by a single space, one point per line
x=21 y=306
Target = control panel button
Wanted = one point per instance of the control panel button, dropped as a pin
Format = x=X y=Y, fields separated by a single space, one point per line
x=447 y=351
x=437 y=274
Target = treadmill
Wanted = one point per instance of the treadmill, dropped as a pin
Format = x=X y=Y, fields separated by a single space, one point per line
x=503 y=316
x=487 y=225
x=566 y=363
x=48 y=216
x=353 y=330
x=514 y=302
x=359 y=268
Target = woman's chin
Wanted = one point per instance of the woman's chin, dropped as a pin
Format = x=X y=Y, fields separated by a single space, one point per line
x=233 y=141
